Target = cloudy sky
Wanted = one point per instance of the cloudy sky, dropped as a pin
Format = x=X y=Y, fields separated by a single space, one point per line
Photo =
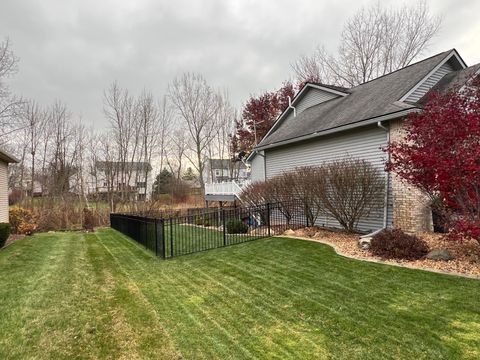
x=72 y=50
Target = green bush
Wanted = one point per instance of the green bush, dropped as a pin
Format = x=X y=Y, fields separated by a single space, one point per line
x=4 y=233
x=395 y=244
x=236 y=227
x=201 y=220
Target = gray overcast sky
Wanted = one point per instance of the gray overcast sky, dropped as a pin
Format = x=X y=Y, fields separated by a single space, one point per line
x=72 y=50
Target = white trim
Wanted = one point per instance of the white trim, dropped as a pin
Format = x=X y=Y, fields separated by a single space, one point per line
x=357 y=124
x=324 y=88
x=447 y=58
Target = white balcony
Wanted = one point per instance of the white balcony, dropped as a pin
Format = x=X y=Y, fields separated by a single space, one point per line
x=225 y=191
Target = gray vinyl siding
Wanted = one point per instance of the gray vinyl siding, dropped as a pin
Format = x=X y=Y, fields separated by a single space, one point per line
x=430 y=82
x=313 y=97
x=258 y=168
x=364 y=143
x=3 y=192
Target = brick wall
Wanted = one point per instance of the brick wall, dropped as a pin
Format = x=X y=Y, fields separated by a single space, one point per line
x=411 y=211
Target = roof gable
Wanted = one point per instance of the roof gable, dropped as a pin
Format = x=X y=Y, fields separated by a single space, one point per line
x=370 y=100
x=450 y=63
x=310 y=95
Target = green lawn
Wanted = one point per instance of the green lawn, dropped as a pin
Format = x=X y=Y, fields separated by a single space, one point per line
x=74 y=295
x=190 y=238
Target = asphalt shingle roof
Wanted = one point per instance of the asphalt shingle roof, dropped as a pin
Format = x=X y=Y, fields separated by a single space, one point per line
x=365 y=101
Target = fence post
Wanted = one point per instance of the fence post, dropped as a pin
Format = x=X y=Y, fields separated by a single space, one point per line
x=156 y=238
x=224 y=228
x=306 y=214
x=162 y=229
x=268 y=218
x=171 y=238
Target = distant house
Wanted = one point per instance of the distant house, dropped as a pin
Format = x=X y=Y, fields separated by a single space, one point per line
x=5 y=159
x=327 y=122
x=132 y=178
x=223 y=170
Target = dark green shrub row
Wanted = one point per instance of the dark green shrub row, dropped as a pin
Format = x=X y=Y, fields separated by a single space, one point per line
x=4 y=233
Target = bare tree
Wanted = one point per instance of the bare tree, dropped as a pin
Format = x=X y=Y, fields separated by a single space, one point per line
x=175 y=152
x=197 y=104
x=165 y=129
x=150 y=117
x=35 y=120
x=10 y=106
x=121 y=109
x=374 y=42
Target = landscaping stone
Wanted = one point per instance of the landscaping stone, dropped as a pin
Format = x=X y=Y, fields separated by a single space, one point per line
x=440 y=254
x=289 y=232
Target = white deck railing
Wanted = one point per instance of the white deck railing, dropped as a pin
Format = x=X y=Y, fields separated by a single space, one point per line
x=226 y=188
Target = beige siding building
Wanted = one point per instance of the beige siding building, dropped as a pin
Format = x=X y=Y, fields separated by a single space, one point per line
x=5 y=159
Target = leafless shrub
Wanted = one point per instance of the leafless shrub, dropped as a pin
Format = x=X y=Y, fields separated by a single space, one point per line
x=257 y=193
x=348 y=190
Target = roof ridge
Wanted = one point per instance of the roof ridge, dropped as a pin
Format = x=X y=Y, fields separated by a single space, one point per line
x=405 y=67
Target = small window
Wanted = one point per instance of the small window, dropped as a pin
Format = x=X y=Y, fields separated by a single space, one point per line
x=141 y=184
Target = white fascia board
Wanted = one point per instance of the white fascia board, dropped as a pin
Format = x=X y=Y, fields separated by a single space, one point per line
x=453 y=53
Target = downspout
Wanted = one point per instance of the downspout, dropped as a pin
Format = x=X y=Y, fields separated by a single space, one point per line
x=385 y=203
x=290 y=106
x=387 y=182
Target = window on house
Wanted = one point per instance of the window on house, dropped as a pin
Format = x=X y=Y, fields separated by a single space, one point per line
x=141 y=184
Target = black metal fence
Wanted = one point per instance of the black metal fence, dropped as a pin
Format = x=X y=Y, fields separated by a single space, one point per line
x=181 y=235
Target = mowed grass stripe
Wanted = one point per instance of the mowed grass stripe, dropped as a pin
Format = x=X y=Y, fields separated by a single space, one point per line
x=104 y=296
x=231 y=307
x=220 y=344
x=366 y=337
x=331 y=287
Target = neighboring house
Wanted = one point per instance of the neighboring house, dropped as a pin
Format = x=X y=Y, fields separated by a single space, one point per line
x=328 y=122
x=5 y=159
x=134 y=178
x=223 y=170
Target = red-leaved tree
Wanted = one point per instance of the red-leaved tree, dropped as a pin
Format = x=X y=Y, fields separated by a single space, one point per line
x=441 y=155
x=258 y=115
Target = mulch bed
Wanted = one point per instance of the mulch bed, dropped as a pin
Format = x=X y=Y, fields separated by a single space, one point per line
x=466 y=253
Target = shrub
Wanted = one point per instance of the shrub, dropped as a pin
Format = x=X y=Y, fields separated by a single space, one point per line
x=4 y=233
x=88 y=219
x=22 y=221
x=349 y=190
x=395 y=244
x=27 y=228
x=236 y=227
x=202 y=221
